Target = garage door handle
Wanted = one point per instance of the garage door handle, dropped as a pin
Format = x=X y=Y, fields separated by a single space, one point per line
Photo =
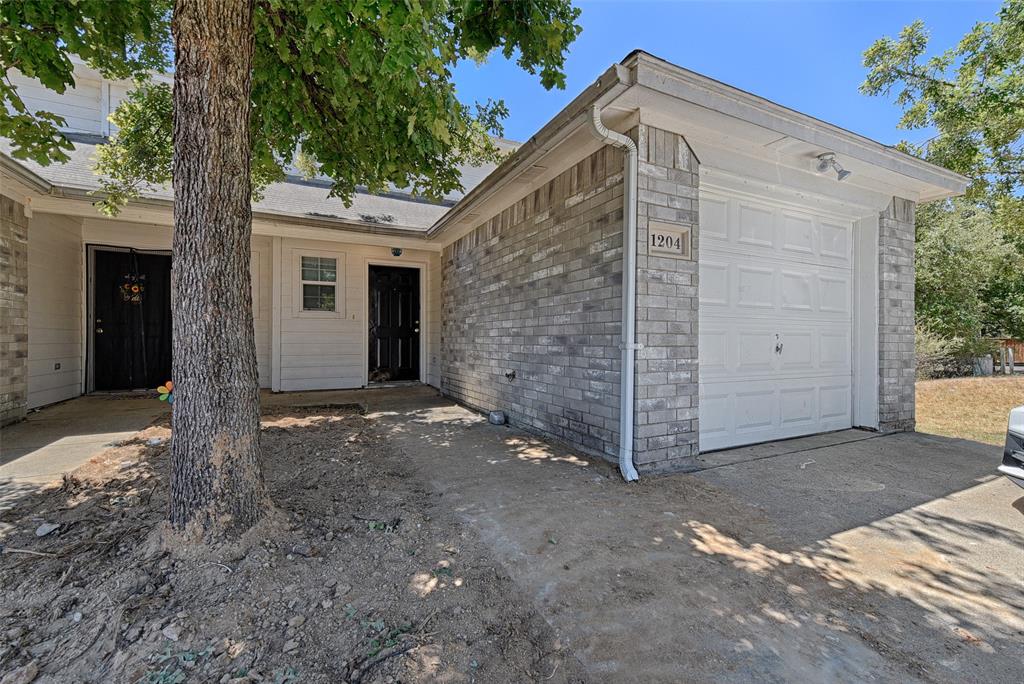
x=778 y=348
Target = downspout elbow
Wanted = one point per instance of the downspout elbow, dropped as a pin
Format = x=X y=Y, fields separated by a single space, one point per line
x=629 y=346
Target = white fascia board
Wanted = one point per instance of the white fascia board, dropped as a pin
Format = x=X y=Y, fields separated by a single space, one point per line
x=660 y=76
x=160 y=213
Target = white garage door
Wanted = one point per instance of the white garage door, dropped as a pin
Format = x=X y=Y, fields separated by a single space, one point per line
x=775 y=321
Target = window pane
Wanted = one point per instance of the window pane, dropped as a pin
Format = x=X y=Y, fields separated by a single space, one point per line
x=328 y=270
x=323 y=269
x=318 y=297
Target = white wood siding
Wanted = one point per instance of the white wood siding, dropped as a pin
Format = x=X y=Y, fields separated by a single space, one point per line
x=149 y=236
x=80 y=106
x=54 y=309
x=329 y=352
x=315 y=352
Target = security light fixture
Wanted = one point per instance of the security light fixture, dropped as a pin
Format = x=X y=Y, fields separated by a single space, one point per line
x=828 y=161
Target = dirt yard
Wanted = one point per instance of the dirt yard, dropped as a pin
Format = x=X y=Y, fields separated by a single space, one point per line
x=968 y=408
x=367 y=577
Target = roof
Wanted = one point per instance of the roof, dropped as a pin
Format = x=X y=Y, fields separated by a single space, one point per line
x=295 y=197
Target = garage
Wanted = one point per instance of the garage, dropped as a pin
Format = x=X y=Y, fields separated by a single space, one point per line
x=776 y=312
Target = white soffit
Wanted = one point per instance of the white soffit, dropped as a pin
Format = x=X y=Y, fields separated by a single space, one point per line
x=728 y=129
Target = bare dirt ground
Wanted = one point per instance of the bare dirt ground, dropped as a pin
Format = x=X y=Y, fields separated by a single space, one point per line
x=367 y=576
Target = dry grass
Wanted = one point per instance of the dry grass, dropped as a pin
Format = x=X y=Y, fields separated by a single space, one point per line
x=968 y=408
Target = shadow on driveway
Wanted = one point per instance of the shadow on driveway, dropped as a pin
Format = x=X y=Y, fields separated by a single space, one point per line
x=891 y=558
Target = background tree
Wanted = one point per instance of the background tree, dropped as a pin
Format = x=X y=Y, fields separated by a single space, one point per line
x=972 y=95
x=970 y=281
x=364 y=88
x=960 y=252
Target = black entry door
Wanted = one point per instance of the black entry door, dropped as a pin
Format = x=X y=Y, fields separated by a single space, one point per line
x=131 y=320
x=394 y=324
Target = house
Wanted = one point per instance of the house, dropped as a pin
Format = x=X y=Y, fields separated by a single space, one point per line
x=671 y=265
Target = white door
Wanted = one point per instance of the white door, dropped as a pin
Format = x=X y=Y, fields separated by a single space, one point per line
x=775 y=321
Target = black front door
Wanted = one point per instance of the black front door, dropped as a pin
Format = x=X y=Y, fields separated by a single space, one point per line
x=394 y=324
x=131 y=320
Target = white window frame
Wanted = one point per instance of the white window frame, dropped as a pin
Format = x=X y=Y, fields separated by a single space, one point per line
x=339 y=284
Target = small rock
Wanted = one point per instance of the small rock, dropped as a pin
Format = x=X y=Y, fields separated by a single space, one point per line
x=342 y=589
x=154 y=441
x=172 y=632
x=327 y=604
x=296 y=621
x=303 y=550
x=331 y=583
x=329 y=536
x=76 y=617
x=290 y=646
x=23 y=675
x=46 y=528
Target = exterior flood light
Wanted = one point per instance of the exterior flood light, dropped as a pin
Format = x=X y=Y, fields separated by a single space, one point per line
x=828 y=161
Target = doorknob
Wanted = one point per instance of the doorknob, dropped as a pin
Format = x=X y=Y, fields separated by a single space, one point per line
x=99 y=331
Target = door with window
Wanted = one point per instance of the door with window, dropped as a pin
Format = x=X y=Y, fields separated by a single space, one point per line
x=394 y=320
x=131 y=325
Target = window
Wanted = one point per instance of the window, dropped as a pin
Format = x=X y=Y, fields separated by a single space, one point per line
x=319 y=283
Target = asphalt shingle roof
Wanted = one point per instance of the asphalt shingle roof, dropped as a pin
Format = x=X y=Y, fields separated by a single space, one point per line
x=294 y=197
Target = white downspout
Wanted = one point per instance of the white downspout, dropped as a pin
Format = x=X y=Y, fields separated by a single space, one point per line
x=629 y=345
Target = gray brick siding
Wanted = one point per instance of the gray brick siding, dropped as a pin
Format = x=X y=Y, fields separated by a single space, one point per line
x=666 y=418
x=13 y=311
x=896 y=364
x=536 y=290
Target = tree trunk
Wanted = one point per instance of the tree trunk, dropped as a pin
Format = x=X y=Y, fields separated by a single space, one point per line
x=217 y=485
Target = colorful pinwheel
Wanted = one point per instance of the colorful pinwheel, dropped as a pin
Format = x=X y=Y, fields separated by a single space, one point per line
x=166 y=391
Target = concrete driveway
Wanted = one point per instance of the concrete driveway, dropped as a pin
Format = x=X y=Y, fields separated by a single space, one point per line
x=846 y=557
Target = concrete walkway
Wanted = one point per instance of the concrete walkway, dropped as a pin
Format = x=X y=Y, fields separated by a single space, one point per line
x=60 y=438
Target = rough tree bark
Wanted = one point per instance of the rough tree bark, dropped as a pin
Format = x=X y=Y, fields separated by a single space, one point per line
x=217 y=486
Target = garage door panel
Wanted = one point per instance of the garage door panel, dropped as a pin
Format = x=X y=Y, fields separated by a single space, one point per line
x=797 y=233
x=756 y=225
x=741 y=350
x=755 y=409
x=797 y=406
x=753 y=352
x=756 y=287
x=745 y=225
x=740 y=284
x=749 y=412
x=775 y=322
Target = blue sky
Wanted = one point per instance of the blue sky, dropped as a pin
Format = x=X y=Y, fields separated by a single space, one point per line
x=804 y=55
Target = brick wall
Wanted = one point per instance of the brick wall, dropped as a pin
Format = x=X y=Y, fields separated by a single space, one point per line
x=13 y=311
x=666 y=373
x=536 y=290
x=896 y=364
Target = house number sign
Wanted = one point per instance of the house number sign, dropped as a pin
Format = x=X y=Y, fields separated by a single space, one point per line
x=668 y=239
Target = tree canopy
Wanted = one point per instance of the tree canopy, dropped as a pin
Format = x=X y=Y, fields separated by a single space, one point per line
x=972 y=95
x=360 y=92
x=970 y=282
